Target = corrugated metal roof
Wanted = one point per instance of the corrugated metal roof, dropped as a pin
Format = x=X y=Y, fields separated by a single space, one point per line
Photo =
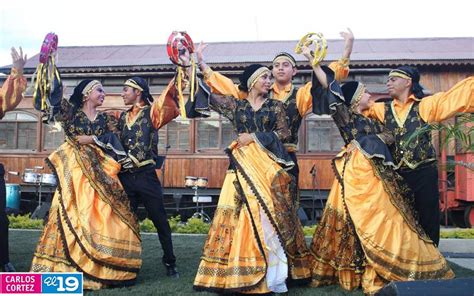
x=366 y=53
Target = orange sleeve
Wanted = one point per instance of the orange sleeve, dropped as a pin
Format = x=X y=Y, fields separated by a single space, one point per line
x=165 y=108
x=222 y=85
x=11 y=92
x=444 y=105
x=340 y=69
x=376 y=111
x=304 y=99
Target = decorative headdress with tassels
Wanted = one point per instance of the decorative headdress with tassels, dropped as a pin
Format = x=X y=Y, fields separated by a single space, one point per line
x=179 y=42
x=48 y=90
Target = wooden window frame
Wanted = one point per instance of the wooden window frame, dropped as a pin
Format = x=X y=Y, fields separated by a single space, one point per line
x=37 y=148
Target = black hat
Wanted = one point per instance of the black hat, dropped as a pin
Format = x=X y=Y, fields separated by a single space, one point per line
x=248 y=74
x=76 y=99
x=140 y=84
x=352 y=91
x=287 y=56
x=411 y=73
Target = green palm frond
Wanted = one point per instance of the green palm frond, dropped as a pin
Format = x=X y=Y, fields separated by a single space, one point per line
x=461 y=131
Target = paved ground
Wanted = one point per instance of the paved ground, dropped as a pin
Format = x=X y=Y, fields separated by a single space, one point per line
x=459 y=251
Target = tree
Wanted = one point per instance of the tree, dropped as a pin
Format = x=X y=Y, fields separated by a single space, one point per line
x=461 y=131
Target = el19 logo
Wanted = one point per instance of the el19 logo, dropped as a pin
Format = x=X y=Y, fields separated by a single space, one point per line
x=61 y=283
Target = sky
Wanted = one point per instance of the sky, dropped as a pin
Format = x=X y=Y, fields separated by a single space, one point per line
x=118 y=22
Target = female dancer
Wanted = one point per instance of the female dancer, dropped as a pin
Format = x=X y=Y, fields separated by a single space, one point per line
x=368 y=234
x=90 y=228
x=256 y=240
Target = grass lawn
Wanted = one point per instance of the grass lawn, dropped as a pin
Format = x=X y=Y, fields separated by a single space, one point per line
x=152 y=279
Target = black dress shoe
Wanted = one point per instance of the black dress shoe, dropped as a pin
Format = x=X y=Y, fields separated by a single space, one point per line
x=172 y=271
x=9 y=267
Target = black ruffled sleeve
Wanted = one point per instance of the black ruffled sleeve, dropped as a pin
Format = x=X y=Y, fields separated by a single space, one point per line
x=204 y=101
x=326 y=100
x=373 y=146
x=110 y=141
x=272 y=142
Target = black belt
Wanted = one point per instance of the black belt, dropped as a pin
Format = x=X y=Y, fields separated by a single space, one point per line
x=139 y=169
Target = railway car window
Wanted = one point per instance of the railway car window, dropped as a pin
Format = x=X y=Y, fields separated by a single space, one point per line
x=177 y=135
x=322 y=135
x=18 y=131
x=53 y=136
x=228 y=134
x=213 y=133
x=207 y=134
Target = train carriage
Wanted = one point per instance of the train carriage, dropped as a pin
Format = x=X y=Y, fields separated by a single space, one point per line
x=195 y=147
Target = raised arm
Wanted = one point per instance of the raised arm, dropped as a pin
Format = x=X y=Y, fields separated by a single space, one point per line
x=13 y=88
x=341 y=67
x=165 y=108
x=218 y=83
x=348 y=44
x=318 y=72
x=444 y=105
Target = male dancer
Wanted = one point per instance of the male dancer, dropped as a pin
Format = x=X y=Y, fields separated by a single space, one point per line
x=138 y=126
x=409 y=111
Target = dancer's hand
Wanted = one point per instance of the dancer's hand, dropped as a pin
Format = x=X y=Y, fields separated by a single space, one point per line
x=184 y=56
x=244 y=139
x=348 y=36
x=199 y=50
x=18 y=60
x=85 y=139
x=348 y=43
x=305 y=51
x=200 y=57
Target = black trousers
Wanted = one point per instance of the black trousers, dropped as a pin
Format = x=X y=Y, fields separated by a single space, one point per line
x=144 y=187
x=295 y=172
x=4 y=259
x=424 y=183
